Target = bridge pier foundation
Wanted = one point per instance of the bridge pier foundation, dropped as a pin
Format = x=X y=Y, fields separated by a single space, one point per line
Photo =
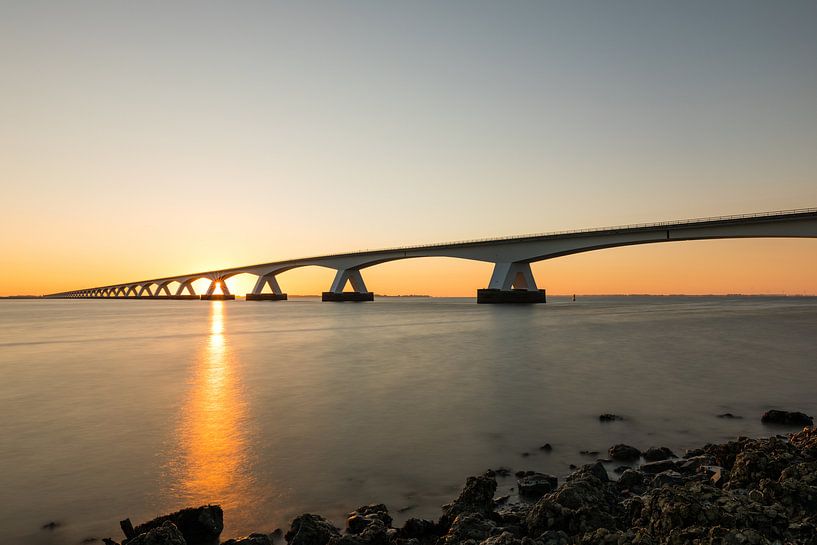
x=267 y=280
x=490 y=296
x=266 y=297
x=217 y=297
x=511 y=283
x=344 y=276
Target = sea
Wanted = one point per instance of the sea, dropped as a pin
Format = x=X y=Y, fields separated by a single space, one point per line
x=114 y=409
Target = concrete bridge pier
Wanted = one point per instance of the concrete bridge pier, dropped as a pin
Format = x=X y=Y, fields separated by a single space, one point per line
x=511 y=283
x=267 y=280
x=344 y=276
x=225 y=294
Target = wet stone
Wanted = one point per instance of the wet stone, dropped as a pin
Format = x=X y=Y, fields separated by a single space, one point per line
x=624 y=453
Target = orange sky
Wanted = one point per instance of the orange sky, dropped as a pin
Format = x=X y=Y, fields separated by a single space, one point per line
x=142 y=140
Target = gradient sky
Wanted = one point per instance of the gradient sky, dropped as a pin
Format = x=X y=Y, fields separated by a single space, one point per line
x=143 y=139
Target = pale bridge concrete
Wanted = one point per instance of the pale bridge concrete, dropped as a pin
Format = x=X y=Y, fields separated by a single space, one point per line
x=511 y=281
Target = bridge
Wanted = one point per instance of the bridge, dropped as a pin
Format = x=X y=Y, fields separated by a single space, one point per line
x=512 y=280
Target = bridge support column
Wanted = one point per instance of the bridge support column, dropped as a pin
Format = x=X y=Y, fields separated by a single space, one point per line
x=266 y=280
x=225 y=294
x=186 y=285
x=344 y=276
x=511 y=283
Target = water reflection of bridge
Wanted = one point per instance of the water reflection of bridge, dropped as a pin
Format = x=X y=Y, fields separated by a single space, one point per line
x=512 y=280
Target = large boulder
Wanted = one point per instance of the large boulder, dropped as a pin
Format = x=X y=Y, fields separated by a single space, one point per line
x=476 y=497
x=310 y=529
x=582 y=504
x=787 y=418
x=165 y=534
x=199 y=525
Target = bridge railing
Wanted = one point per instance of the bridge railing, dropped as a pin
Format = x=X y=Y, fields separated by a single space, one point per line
x=669 y=223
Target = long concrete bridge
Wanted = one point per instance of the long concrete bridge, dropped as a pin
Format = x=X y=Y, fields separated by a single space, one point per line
x=512 y=280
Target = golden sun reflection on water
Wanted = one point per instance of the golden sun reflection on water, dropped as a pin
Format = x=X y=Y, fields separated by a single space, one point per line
x=213 y=465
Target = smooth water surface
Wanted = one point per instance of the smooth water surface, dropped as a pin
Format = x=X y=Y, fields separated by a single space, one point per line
x=122 y=408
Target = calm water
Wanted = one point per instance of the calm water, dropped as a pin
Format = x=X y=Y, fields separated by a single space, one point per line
x=114 y=409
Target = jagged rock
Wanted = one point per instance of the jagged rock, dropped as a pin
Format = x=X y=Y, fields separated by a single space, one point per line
x=252 y=539
x=469 y=526
x=199 y=525
x=787 y=418
x=625 y=453
x=729 y=416
x=668 y=478
x=655 y=454
x=609 y=417
x=594 y=470
x=537 y=485
x=476 y=497
x=631 y=480
x=765 y=458
x=583 y=503
x=806 y=442
x=165 y=534
x=310 y=529
x=363 y=517
x=546 y=447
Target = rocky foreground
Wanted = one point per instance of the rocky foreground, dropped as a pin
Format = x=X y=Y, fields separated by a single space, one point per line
x=748 y=491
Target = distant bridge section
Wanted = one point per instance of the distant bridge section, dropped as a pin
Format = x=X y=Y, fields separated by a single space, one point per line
x=512 y=280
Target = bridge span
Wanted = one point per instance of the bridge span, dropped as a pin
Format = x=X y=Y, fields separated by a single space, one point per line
x=512 y=280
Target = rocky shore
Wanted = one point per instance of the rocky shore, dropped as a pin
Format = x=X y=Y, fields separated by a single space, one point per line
x=747 y=491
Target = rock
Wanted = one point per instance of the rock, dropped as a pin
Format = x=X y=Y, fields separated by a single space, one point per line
x=624 y=453
x=53 y=525
x=787 y=418
x=277 y=535
x=631 y=480
x=476 y=497
x=546 y=447
x=762 y=459
x=310 y=529
x=363 y=517
x=500 y=471
x=252 y=539
x=609 y=417
x=468 y=526
x=537 y=485
x=654 y=454
x=199 y=525
x=621 y=469
x=728 y=416
x=589 y=452
x=668 y=478
x=592 y=470
x=519 y=474
x=165 y=534
x=583 y=503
